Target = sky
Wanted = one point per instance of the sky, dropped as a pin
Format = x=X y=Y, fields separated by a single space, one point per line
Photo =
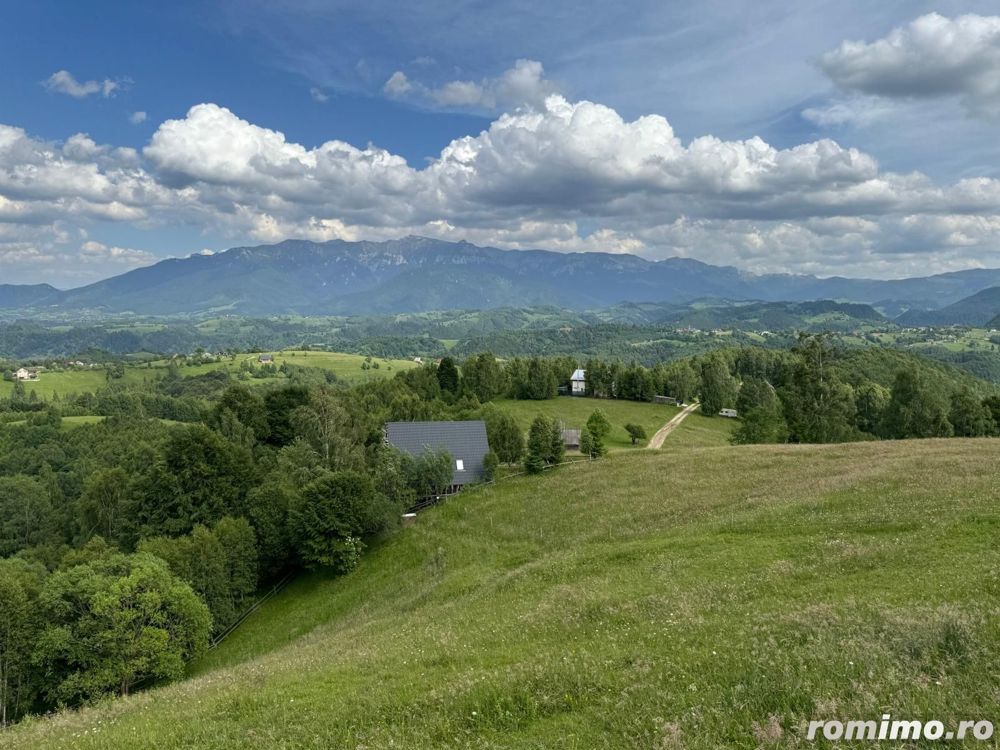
x=840 y=138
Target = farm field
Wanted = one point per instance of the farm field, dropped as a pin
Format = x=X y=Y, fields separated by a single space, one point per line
x=716 y=597
x=573 y=412
x=76 y=381
x=347 y=367
x=344 y=366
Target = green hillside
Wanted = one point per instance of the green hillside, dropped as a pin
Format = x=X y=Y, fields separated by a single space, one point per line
x=573 y=413
x=717 y=597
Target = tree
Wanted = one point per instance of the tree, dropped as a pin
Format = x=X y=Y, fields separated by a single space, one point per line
x=484 y=377
x=636 y=431
x=326 y=424
x=210 y=470
x=914 y=410
x=239 y=545
x=598 y=424
x=428 y=474
x=557 y=446
x=490 y=465
x=447 y=375
x=592 y=443
x=20 y=583
x=27 y=517
x=870 y=400
x=267 y=510
x=199 y=560
x=818 y=406
x=969 y=416
x=247 y=407
x=504 y=434
x=539 y=444
x=114 y=622
x=681 y=381
x=330 y=517
x=718 y=388
x=761 y=424
x=279 y=406
x=103 y=503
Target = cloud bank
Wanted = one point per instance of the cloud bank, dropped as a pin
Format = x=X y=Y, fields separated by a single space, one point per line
x=563 y=175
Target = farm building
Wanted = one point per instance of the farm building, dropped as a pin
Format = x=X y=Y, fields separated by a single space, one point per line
x=571 y=438
x=669 y=400
x=465 y=441
x=25 y=374
x=578 y=382
x=265 y=359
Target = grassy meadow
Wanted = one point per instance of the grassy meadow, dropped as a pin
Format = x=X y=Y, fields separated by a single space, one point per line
x=710 y=598
x=347 y=367
x=75 y=381
x=573 y=412
x=699 y=431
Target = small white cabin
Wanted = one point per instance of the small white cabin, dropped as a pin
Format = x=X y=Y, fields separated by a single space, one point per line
x=731 y=413
x=25 y=374
x=578 y=383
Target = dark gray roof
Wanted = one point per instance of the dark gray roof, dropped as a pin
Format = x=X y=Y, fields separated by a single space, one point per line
x=465 y=441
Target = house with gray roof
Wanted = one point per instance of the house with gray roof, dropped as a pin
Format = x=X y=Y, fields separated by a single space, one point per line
x=465 y=441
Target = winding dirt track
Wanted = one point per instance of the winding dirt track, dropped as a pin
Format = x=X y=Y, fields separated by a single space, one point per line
x=661 y=434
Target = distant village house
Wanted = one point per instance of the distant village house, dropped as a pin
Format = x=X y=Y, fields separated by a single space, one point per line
x=265 y=359
x=25 y=374
x=731 y=413
x=578 y=383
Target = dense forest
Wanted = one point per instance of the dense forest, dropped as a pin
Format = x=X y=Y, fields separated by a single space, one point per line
x=128 y=544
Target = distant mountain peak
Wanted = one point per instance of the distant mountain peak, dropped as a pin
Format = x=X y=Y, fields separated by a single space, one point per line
x=417 y=273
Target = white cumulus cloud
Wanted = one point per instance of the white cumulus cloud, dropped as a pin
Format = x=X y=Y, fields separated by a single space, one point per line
x=522 y=84
x=933 y=56
x=563 y=175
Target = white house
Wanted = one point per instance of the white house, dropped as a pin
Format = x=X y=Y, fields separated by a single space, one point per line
x=578 y=381
x=25 y=374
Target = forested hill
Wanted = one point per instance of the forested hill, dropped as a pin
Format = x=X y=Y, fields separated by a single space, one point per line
x=417 y=274
x=979 y=309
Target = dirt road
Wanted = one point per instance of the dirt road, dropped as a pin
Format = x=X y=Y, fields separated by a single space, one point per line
x=661 y=434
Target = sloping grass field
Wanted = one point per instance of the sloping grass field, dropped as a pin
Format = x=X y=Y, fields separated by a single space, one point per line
x=573 y=411
x=699 y=431
x=68 y=382
x=347 y=367
x=710 y=598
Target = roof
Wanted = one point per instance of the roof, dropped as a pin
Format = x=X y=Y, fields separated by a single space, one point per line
x=465 y=441
x=578 y=374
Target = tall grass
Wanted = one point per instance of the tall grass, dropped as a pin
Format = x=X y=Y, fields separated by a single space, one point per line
x=706 y=598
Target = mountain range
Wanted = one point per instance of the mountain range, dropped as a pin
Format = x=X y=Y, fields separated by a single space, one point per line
x=416 y=274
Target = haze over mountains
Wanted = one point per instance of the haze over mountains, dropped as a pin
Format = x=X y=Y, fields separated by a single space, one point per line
x=417 y=274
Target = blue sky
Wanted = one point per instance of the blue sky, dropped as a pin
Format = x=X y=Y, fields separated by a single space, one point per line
x=849 y=138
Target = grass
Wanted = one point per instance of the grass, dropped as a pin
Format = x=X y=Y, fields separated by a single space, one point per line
x=573 y=411
x=75 y=381
x=346 y=367
x=699 y=431
x=716 y=597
